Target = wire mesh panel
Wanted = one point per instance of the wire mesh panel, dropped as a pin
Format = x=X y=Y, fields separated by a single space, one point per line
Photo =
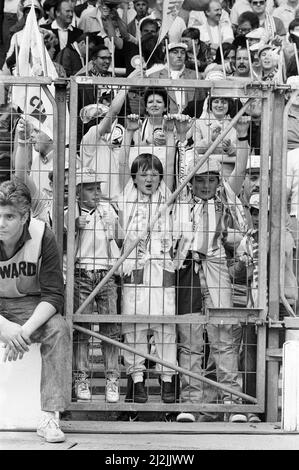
x=164 y=265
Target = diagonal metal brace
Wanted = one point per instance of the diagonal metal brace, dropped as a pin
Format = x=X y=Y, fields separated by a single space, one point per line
x=166 y=364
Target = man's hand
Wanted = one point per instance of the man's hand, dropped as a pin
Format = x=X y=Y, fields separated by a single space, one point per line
x=215 y=131
x=16 y=340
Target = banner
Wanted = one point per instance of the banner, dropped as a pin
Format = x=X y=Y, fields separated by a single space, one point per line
x=170 y=11
x=34 y=61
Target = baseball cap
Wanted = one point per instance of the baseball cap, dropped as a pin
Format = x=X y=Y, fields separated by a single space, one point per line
x=93 y=111
x=215 y=75
x=87 y=175
x=210 y=166
x=174 y=45
x=264 y=47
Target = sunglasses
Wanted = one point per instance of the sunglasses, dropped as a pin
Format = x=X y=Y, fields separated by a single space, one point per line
x=260 y=2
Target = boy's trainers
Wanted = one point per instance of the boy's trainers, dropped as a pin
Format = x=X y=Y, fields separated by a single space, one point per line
x=237 y=418
x=112 y=389
x=185 y=418
x=49 y=428
x=82 y=386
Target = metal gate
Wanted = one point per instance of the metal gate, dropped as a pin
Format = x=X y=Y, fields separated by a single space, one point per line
x=265 y=319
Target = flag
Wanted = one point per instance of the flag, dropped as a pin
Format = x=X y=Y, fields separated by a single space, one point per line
x=170 y=11
x=34 y=61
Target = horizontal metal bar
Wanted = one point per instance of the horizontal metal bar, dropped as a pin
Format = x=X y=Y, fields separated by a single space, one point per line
x=10 y=80
x=291 y=322
x=164 y=319
x=228 y=87
x=167 y=364
x=97 y=405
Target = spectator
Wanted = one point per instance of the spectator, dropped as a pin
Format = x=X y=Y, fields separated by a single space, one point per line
x=148 y=272
x=269 y=63
x=32 y=302
x=18 y=30
x=242 y=63
x=178 y=25
x=229 y=56
x=274 y=26
x=202 y=51
x=141 y=8
x=91 y=94
x=8 y=19
x=97 y=228
x=286 y=12
x=215 y=28
x=103 y=19
x=62 y=27
x=197 y=288
x=178 y=100
x=73 y=56
x=248 y=21
x=49 y=14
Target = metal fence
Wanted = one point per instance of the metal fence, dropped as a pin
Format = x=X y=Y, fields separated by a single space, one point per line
x=185 y=347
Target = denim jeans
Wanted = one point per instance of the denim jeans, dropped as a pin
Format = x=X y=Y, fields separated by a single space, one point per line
x=54 y=337
x=106 y=303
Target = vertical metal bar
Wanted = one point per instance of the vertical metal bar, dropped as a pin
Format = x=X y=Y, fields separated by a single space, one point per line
x=274 y=253
x=263 y=246
x=69 y=298
x=59 y=164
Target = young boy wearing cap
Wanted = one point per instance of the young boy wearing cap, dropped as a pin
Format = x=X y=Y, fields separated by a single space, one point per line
x=203 y=279
x=97 y=228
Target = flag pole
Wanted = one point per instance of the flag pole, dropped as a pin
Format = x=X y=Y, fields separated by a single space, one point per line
x=140 y=50
x=167 y=57
x=296 y=57
x=221 y=52
x=195 y=60
x=112 y=56
x=44 y=59
x=249 y=60
x=17 y=57
x=86 y=54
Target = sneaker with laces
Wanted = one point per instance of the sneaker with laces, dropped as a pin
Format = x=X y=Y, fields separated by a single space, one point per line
x=112 y=390
x=82 y=386
x=49 y=429
x=253 y=418
x=185 y=418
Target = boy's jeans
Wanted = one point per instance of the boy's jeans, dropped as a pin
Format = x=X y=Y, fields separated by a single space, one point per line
x=54 y=337
x=106 y=303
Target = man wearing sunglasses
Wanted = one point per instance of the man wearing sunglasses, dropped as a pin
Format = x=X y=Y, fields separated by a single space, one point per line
x=274 y=26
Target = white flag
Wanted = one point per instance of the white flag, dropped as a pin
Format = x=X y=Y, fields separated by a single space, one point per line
x=34 y=61
x=170 y=11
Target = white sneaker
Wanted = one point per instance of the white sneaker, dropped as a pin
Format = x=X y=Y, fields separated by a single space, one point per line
x=185 y=418
x=237 y=418
x=82 y=386
x=112 y=389
x=49 y=429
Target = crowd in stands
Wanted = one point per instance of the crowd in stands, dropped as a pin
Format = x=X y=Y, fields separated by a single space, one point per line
x=135 y=146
